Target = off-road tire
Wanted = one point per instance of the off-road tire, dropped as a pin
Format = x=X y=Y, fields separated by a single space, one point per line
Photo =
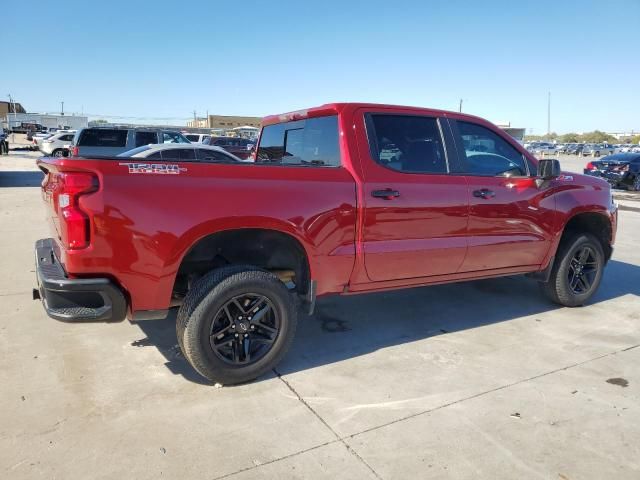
x=207 y=296
x=557 y=288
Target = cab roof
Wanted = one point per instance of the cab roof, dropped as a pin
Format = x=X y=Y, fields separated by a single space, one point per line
x=339 y=107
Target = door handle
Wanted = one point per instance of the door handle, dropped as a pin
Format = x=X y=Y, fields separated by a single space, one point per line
x=387 y=193
x=484 y=193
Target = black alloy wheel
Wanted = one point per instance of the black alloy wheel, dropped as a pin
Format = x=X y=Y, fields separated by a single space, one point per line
x=583 y=270
x=244 y=329
x=236 y=323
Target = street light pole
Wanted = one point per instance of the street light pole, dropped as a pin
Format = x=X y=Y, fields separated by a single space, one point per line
x=549 y=115
x=62 y=109
x=460 y=106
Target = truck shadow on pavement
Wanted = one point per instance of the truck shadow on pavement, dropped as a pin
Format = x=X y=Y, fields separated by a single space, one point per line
x=21 y=179
x=351 y=326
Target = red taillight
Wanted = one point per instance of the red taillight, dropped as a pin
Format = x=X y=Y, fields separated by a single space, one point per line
x=75 y=223
x=591 y=166
x=74 y=151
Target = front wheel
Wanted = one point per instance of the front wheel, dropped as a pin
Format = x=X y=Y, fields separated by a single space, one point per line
x=577 y=270
x=236 y=323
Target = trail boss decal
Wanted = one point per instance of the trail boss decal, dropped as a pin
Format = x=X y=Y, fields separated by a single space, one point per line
x=154 y=168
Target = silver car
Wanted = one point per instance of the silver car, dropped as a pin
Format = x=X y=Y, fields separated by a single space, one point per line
x=57 y=145
x=182 y=153
x=597 y=149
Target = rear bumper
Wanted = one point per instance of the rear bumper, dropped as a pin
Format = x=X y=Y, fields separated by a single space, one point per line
x=78 y=299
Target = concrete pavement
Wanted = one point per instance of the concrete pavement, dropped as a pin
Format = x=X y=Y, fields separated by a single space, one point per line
x=475 y=380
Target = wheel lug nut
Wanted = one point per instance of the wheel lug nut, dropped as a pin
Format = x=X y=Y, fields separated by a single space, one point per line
x=246 y=335
x=236 y=335
x=233 y=326
x=252 y=327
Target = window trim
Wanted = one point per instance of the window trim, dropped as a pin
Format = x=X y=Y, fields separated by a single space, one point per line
x=372 y=140
x=462 y=156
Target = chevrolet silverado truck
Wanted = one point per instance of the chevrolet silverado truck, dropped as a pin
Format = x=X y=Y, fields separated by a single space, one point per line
x=343 y=198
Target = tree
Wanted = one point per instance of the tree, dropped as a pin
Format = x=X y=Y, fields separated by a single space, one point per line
x=598 y=136
x=569 y=138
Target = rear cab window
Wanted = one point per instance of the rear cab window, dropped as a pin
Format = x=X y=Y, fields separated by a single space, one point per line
x=309 y=142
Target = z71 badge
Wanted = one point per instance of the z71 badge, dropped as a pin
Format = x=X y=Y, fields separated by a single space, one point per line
x=154 y=168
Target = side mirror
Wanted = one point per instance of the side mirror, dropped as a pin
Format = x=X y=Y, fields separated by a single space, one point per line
x=548 y=169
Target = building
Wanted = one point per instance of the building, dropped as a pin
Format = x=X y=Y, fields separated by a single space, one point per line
x=623 y=135
x=198 y=123
x=8 y=108
x=229 y=122
x=48 y=120
x=515 y=132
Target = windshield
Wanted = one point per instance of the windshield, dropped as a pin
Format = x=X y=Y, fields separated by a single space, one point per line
x=173 y=137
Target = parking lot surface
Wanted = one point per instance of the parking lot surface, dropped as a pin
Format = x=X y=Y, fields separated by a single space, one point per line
x=481 y=379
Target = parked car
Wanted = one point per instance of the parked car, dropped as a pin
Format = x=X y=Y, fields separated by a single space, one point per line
x=240 y=147
x=624 y=148
x=181 y=152
x=240 y=245
x=621 y=170
x=543 y=149
x=196 y=137
x=58 y=144
x=575 y=149
x=27 y=127
x=4 y=143
x=109 y=142
x=597 y=149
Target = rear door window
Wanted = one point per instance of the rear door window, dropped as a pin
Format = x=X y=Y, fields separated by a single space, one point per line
x=312 y=142
x=146 y=138
x=103 y=138
x=407 y=143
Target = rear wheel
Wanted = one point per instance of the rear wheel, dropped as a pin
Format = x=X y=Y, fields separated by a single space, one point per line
x=58 y=153
x=236 y=323
x=635 y=186
x=577 y=270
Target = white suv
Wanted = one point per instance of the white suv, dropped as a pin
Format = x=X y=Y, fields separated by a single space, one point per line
x=58 y=144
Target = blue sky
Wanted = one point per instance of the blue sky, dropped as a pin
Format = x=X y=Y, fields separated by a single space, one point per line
x=161 y=60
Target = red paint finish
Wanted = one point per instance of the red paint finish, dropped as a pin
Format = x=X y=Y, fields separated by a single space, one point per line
x=513 y=228
x=435 y=231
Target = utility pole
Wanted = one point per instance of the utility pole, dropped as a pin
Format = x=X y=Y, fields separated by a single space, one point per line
x=460 y=106
x=13 y=107
x=195 y=123
x=62 y=108
x=549 y=114
x=208 y=124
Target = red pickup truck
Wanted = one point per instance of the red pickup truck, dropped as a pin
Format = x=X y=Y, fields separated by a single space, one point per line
x=340 y=199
